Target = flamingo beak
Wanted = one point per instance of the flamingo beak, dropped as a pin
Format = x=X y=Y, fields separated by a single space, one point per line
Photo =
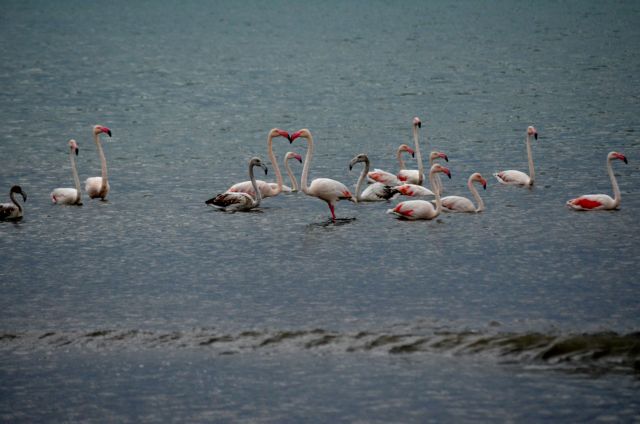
x=624 y=158
x=24 y=195
x=294 y=136
x=445 y=157
x=484 y=184
x=77 y=150
x=285 y=134
x=446 y=171
x=419 y=124
x=535 y=135
x=266 y=170
x=299 y=158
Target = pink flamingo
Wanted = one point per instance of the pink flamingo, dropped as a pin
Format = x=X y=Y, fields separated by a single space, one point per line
x=513 y=177
x=415 y=190
x=422 y=209
x=331 y=191
x=294 y=183
x=387 y=178
x=462 y=204
x=69 y=196
x=414 y=176
x=594 y=202
x=99 y=186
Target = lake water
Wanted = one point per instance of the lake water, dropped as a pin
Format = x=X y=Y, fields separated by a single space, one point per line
x=154 y=307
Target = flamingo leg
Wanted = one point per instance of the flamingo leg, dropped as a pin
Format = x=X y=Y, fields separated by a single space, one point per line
x=333 y=213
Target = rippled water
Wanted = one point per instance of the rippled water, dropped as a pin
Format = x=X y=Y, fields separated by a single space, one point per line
x=152 y=306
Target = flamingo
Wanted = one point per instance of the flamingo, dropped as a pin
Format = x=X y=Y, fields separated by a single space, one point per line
x=331 y=191
x=422 y=209
x=462 y=204
x=294 y=183
x=387 y=178
x=13 y=211
x=513 y=177
x=99 y=186
x=415 y=190
x=238 y=201
x=594 y=202
x=414 y=176
x=266 y=189
x=374 y=192
x=69 y=196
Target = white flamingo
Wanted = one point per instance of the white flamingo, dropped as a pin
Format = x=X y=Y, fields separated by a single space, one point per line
x=422 y=209
x=13 y=211
x=387 y=178
x=99 y=186
x=238 y=201
x=331 y=191
x=414 y=176
x=374 y=192
x=294 y=183
x=415 y=190
x=266 y=189
x=513 y=177
x=594 y=202
x=462 y=204
x=69 y=196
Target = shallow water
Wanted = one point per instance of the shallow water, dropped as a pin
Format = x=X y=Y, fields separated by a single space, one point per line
x=525 y=312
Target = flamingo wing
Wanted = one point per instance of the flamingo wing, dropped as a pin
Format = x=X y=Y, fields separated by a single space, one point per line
x=377 y=192
x=457 y=204
x=266 y=189
x=590 y=202
x=410 y=176
x=414 y=209
x=232 y=200
x=384 y=177
x=8 y=211
x=512 y=177
x=413 y=190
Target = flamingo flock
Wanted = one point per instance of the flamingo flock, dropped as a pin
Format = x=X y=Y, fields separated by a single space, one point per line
x=381 y=185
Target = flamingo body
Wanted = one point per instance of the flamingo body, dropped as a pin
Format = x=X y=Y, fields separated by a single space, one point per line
x=383 y=177
x=413 y=190
x=414 y=209
x=411 y=176
x=12 y=211
x=594 y=202
x=65 y=196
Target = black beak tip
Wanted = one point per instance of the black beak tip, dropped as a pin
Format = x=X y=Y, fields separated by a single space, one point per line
x=350 y=167
x=535 y=135
x=419 y=124
x=413 y=155
x=626 y=161
x=109 y=133
x=446 y=158
x=77 y=150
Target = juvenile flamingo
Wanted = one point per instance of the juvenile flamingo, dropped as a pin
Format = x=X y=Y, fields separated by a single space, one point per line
x=331 y=191
x=13 y=211
x=513 y=177
x=374 y=192
x=594 y=202
x=99 y=186
x=387 y=178
x=422 y=209
x=69 y=196
x=462 y=204
x=237 y=201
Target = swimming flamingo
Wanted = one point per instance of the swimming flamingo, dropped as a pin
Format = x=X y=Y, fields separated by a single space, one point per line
x=99 y=186
x=462 y=204
x=414 y=176
x=331 y=191
x=594 y=202
x=513 y=177
x=238 y=201
x=266 y=189
x=69 y=196
x=294 y=182
x=387 y=178
x=422 y=209
x=12 y=211
x=375 y=191
x=415 y=190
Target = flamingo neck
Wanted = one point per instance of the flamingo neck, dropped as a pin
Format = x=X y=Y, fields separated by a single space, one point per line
x=614 y=183
x=103 y=163
x=254 y=183
x=307 y=164
x=400 y=159
x=476 y=195
x=532 y=172
x=294 y=182
x=418 y=155
x=438 y=186
x=12 y=196
x=76 y=179
x=361 y=179
x=274 y=162
x=434 y=180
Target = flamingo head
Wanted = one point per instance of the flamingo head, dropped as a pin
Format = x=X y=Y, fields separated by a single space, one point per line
x=436 y=155
x=417 y=122
x=477 y=177
x=73 y=146
x=97 y=129
x=18 y=190
x=277 y=132
x=257 y=162
x=531 y=131
x=406 y=148
x=439 y=168
x=360 y=158
x=304 y=133
x=616 y=155
x=293 y=155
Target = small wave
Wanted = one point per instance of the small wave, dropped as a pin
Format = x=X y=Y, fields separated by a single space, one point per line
x=601 y=351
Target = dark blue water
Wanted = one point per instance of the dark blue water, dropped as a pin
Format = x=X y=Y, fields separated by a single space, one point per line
x=154 y=307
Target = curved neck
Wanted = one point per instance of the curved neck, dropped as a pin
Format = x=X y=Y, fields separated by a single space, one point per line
x=103 y=162
x=74 y=171
x=307 y=163
x=274 y=162
x=12 y=196
x=252 y=177
x=361 y=179
x=432 y=180
x=614 y=183
x=294 y=182
x=532 y=172
x=400 y=160
x=418 y=155
x=476 y=195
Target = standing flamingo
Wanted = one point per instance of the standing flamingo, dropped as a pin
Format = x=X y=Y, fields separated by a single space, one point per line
x=414 y=176
x=69 y=196
x=325 y=189
x=594 y=202
x=513 y=177
x=266 y=189
x=462 y=204
x=13 y=211
x=374 y=192
x=387 y=178
x=415 y=190
x=294 y=182
x=422 y=209
x=99 y=186
x=238 y=201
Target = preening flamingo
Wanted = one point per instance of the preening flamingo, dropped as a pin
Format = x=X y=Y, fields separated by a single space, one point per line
x=415 y=190
x=331 y=191
x=294 y=183
x=414 y=176
x=99 y=186
x=238 y=201
x=462 y=204
x=266 y=189
x=513 y=177
x=422 y=209
x=69 y=196
x=387 y=178
x=13 y=211
x=374 y=192
x=594 y=202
